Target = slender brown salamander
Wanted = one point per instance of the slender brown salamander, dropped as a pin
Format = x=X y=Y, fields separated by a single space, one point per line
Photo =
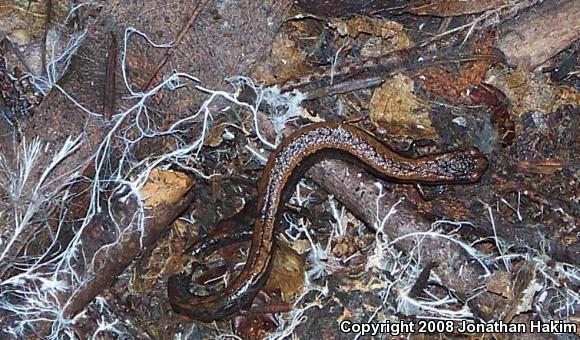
x=285 y=167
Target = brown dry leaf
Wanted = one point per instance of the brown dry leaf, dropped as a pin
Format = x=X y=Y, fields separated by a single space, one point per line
x=576 y=320
x=525 y=287
x=215 y=135
x=443 y=83
x=485 y=247
x=358 y=285
x=449 y=8
x=300 y=246
x=563 y=95
x=24 y=24
x=165 y=187
x=180 y=227
x=395 y=106
x=500 y=283
x=287 y=273
x=286 y=60
x=387 y=36
x=532 y=92
x=19 y=17
x=373 y=26
x=346 y=246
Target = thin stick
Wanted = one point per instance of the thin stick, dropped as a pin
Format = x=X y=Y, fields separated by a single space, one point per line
x=109 y=92
x=169 y=51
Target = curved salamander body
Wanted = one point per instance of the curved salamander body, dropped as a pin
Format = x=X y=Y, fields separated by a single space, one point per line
x=285 y=167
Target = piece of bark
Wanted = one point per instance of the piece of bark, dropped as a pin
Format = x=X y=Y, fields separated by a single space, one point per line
x=540 y=32
x=111 y=261
x=339 y=8
x=452 y=8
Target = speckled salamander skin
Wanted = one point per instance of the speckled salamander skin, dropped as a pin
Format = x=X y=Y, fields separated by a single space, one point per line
x=285 y=167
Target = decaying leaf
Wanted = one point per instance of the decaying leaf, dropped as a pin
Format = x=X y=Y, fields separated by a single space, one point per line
x=453 y=86
x=32 y=38
x=386 y=36
x=500 y=283
x=165 y=187
x=345 y=246
x=563 y=95
x=363 y=286
x=373 y=26
x=395 y=106
x=286 y=59
x=524 y=289
x=449 y=8
x=216 y=134
x=532 y=92
x=346 y=315
x=287 y=273
x=300 y=246
x=28 y=16
x=181 y=228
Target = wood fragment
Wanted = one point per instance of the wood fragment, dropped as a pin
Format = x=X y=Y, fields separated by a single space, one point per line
x=451 y=8
x=540 y=166
x=540 y=33
x=422 y=280
x=110 y=261
x=109 y=91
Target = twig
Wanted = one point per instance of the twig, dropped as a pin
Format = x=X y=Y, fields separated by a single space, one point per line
x=180 y=36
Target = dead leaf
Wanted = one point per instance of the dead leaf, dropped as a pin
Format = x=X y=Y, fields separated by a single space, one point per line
x=448 y=8
x=452 y=86
x=287 y=273
x=563 y=95
x=524 y=289
x=395 y=106
x=347 y=314
x=216 y=135
x=373 y=26
x=500 y=283
x=532 y=92
x=165 y=187
x=286 y=59
x=29 y=16
x=387 y=36
x=300 y=246
x=24 y=24
x=180 y=227
x=345 y=246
